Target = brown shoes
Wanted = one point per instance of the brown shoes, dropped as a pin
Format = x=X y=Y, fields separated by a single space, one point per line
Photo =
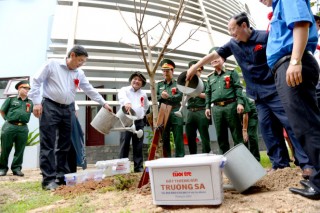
x=306 y=173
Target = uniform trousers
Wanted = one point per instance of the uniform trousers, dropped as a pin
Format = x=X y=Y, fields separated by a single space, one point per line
x=198 y=121
x=13 y=134
x=226 y=117
x=137 y=145
x=253 y=141
x=301 y=108
x=53 y=157
x=174 y=124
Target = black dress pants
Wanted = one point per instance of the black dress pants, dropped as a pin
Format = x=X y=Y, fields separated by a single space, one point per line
x=301 y=108
x=53 y=157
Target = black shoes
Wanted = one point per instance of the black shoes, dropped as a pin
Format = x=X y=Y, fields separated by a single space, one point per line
x=305 y=183
x=138 y=170
x=18 y=173
x=307 y=192
x=50 y=186
x=3 y=173
x=60 y=181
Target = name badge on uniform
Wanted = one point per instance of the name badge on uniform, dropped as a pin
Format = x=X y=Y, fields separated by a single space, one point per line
x=15 y=103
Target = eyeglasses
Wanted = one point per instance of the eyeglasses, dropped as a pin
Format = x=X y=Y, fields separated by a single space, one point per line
x=26 y=88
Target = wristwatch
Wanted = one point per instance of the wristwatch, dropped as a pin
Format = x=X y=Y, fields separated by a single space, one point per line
x=295 y=62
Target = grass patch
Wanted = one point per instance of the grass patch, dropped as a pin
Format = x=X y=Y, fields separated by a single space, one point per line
x=24 y=196
x=264 y=160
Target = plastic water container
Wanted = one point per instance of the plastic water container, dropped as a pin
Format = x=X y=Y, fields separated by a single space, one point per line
x=192 y=180
x=74 y=178
x=121 y=166
x=106 y=167
x=93 y=174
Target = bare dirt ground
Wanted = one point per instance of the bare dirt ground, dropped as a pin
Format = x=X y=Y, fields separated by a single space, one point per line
x=270 y=194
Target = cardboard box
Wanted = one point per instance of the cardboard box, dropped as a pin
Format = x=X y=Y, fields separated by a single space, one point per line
x=187 y=181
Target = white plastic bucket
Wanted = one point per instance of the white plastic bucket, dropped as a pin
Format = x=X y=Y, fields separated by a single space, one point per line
x=242 y=169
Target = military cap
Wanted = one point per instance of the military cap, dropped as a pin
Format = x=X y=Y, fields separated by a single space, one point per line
x=23 y=83
x=139 y=74
x=194 y=62
x=213 y=49
x=167 y=64
x=316 y=17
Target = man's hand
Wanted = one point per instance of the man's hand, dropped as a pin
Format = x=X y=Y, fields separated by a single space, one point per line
x=37 y=110
x=294 y=75
x=190 y=73
x=208 y=113
x=164 y=94
x=107 y=107
x=240 y=108
x=245 y=135
x=127 y=107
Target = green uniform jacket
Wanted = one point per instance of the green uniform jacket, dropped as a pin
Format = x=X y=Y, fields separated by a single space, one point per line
x=17 y=110
x=173 y=100
x=196 y=102
x=218 y=90
x=250 y=108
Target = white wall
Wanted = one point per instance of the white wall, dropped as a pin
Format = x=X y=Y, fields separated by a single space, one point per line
x=24 y=37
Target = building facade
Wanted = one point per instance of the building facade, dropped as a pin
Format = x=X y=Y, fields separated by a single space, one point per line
x=103 y=27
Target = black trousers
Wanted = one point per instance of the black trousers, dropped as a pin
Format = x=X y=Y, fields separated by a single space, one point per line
x=53 y=157
x=301 y=108
x=137 y=144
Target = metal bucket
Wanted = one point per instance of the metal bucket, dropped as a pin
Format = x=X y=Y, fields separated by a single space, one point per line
x=242 y=169
x=194 y=87
x=125 y=117
x=104 y=121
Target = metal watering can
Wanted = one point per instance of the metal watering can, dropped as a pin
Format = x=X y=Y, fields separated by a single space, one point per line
x=106 y=121
x=191 y=88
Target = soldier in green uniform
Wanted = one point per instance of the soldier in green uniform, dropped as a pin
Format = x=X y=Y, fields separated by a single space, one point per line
x=168 y=93
x=225 y=92
x=197 y=120
x=16 y=111
x=250 y=127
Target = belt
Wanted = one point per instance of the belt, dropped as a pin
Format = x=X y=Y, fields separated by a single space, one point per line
x=195 y=109
x=284 y=59
x=17 y=123
x=57 y=104
x=225 y=102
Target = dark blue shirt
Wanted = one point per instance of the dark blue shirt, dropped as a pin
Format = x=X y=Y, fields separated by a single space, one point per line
x=251 y=57
x=285 y=14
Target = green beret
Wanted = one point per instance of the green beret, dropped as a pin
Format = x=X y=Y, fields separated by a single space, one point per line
x=192 y=63
x=213 y=49
x=139 y=74
x=167 y=64
x=23 y=83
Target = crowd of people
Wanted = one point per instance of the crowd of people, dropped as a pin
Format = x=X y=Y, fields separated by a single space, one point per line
x=278 y=66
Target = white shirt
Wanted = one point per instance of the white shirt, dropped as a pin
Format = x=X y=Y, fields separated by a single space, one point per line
x=138 y=100
x=59 y=84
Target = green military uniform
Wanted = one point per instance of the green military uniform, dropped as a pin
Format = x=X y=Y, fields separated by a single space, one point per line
x=225 y=92
x=197 y=120
x=15 y=130
x=174 y=123
x=252 y=144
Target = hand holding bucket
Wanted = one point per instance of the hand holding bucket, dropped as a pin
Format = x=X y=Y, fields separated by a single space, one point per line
x=190 y=88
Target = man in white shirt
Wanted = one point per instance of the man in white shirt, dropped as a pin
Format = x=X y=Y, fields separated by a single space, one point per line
x=61 y=79
x=132 y=97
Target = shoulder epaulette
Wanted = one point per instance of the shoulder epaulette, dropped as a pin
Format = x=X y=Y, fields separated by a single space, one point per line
x=210 y=73
x=12 y=96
